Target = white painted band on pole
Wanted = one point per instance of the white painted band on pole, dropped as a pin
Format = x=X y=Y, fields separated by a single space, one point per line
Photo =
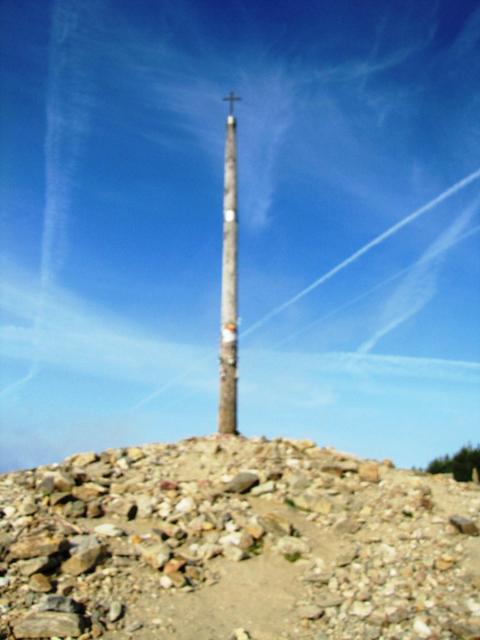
x=229 y=215
x=228 y=335
x=231 y=119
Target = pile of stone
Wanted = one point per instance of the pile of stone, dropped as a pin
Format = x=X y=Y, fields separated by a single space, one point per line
x=371 y=551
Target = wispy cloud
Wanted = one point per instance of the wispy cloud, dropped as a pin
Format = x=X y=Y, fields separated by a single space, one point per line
x=84 y=339
x=12 y=387
x=378 y=240
x=377 y=365
x=184 y=72
x=447 y=240
x=420 y=285
x=380 y=285
x=185 y=84
x=266 y=112
x=363 y=68
x=468 y=39
x=265 y=123
x=68 y=105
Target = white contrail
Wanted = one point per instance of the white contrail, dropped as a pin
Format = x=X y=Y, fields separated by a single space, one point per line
x=182 y=376
x=170 y=383
x=380 y=238
x=66 y=125
x=420 y=285
x=365 y=294
x=411 y=365
x=67 y=110
x=11 y=388
x=461 y=184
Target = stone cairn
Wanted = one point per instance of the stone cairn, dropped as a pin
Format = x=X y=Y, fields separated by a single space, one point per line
x=374 y=552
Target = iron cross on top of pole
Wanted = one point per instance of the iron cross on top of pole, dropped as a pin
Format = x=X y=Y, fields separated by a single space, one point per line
x=231 y=98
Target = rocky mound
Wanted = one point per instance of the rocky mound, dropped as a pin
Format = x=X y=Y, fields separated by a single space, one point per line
x=224 y=537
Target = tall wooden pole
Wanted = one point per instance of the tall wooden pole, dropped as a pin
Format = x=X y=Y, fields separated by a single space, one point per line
x=227 y=418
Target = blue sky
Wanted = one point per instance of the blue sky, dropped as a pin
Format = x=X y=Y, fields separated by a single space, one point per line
x=359 y=204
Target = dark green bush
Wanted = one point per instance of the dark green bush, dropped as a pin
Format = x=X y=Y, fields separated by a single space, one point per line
x=461 y=464
x=440 y=465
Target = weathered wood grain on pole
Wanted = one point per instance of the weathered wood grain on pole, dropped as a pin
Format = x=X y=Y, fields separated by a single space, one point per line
x=227 y=419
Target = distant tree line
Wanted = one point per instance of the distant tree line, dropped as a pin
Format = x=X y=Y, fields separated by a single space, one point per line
x=461 y=465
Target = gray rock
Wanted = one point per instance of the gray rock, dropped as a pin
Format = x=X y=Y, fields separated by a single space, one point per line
x=185 y=505
x=135 y=454
x=347 y=556
x=83 y=561
x=315 y=503
x=49 y=624
x=347 y=524
x=473 y=606
x=83 y=459
x=58 y=481
x=310 y=612
x=75 y=509
x=320 y=577
x=115 y=611
x=89 y=491
x=5 y=541
x=95 y=509
x=361 y=609
x=109 y=530
x=464 y=525
x=326 y=600
x=62 y=604
x=299 y=482
x=60 y=497
x=145 y=504
x=262 y=489
x=99 y=471
x=340 y=467
x=237 y=538
x=165 y=582
x=276 y=524
x=83 y=542
x=123 y=508
x=156 y=555
x=421 y=629
x=35 y=546
x=63 y=481
x=35 y=565
x=46 y=484
x=234 y=553
x=28 y=507
x=40 y=583
x=209 y=550
x=242 y=482
x=291 y=545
